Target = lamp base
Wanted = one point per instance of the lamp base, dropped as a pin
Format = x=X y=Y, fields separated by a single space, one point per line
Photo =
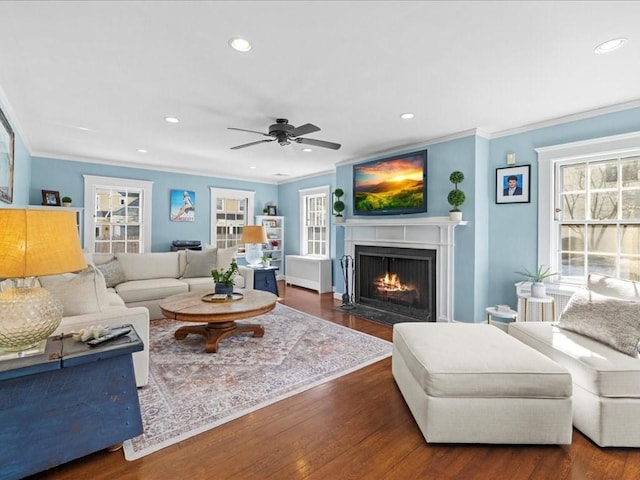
x=253 y=254
x=28 y=315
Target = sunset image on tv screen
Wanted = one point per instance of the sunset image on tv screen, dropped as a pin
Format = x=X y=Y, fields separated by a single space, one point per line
x=394 y=184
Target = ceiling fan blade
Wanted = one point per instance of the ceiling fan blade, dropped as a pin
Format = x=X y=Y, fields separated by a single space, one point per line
x=318 y=143
x=250 y=131
x=304 y=130
x=250 y=144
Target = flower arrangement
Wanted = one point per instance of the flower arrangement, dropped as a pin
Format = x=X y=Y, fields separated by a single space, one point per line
x=225 y=277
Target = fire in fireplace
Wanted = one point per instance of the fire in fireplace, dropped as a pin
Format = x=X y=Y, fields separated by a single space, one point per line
x=398 y=280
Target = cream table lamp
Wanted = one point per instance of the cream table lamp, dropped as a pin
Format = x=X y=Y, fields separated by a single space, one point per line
x=33 y=243
x=253 y=236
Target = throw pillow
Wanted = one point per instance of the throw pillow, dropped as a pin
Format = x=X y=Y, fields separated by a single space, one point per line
x=113 y=273
x=84 y=292
x=225 y=256
x=200 y=263
x=608 y=320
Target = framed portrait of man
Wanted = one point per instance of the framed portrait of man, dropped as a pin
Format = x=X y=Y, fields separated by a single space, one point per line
x=513 y=184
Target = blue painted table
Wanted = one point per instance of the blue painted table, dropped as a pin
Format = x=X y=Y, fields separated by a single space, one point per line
x=67 y=402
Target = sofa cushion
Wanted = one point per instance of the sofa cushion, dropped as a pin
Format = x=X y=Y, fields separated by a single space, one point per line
x=84 y=292
x=153 y=289
x=144 y=266
x=594 y=366
x=225 y=256
x=112 y=272
x=609 y=320
x=200 y=263
x=614 y=287
x=201 y=284
x=476 y=360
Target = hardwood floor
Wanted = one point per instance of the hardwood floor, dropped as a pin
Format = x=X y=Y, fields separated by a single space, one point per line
x=354 y=427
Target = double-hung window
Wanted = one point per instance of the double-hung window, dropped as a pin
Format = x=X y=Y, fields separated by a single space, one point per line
x=314 y=210
x=589 y=208
x=117 y=215
x=231 y=210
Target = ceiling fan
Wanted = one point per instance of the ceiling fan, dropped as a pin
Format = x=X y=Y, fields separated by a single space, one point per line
x=284 y=134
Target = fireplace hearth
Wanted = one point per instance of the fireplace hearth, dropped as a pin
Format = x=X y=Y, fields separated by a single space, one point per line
x=397 y=280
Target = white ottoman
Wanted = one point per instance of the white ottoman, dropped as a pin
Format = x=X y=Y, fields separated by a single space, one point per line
x=473 y=383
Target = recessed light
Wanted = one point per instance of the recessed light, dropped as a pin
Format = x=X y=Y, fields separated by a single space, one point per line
x=307 y=149
x=407 y=116
x=240 y=44
x=84 y=129
x=252 y=167
x=142 y=150
x=171 y=119
x=610 y=45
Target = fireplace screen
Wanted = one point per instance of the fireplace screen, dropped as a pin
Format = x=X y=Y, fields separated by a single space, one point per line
x=400 y=280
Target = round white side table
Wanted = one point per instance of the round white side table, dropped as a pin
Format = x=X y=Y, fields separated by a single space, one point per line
x=543 y=301
x=512 y=315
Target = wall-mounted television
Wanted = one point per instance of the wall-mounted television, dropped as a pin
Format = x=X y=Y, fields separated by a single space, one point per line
x=391 y=186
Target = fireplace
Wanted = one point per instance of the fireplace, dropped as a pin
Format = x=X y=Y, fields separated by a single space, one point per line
x=398 y=280
x=423 y=233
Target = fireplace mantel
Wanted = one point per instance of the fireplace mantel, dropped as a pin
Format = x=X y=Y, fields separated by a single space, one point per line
x=425 y=232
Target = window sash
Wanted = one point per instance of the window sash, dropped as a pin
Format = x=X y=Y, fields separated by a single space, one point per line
x=601 y=235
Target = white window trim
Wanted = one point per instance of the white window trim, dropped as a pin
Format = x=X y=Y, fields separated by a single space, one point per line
x=548 y=157
x=326 y=189
x=91 y=183
x=217 y=193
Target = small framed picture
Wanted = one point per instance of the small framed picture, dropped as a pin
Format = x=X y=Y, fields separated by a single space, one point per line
x=269 y=223
x=272 y=210
x=51 y=198
x=513 y=184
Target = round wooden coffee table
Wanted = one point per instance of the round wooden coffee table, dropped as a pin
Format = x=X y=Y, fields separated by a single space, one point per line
x=220 y=317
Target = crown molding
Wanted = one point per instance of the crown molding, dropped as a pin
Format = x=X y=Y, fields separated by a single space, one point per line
x=566 y=119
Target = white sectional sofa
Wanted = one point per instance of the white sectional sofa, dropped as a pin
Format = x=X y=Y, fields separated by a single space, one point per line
x=598 y=323
x=144 y=279
x=141 y=281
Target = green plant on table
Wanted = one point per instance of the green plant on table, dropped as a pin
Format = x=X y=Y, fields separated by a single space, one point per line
x=225 y=277
x=66 y=200
x=537 y=276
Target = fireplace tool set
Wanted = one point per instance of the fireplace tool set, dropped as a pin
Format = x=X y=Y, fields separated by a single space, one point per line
x=347 y=264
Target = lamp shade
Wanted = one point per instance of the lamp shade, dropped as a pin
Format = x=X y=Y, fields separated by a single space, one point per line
x=254 y=234
x=39 y=242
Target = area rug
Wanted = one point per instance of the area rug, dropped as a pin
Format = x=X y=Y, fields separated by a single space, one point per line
x=191 y=391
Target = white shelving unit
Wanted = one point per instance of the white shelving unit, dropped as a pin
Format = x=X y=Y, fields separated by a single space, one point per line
x=274 y=226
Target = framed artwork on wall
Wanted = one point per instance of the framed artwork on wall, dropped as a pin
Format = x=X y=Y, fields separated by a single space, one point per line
x=513 y=184
x=51 y=198
x=183 y=206
x=7 y=143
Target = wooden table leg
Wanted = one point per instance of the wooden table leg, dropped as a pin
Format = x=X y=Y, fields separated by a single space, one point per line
x=215 y=332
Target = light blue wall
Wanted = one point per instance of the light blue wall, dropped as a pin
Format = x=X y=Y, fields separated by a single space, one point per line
x=497 y=241
x=67 y=178
x=513 y=239
x=21 y=169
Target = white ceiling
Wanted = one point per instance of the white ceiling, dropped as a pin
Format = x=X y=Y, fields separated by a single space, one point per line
x=351 y=68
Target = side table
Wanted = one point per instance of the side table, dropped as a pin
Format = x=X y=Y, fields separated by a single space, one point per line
x=68 y=402
x=542 y=302
x=264 y=278
x=511 y=315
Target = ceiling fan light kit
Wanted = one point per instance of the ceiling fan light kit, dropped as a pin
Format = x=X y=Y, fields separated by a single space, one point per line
x=285 y=133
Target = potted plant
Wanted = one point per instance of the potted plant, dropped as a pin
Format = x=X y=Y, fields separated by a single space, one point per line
x=538 y=288
x=338 y=205
x=66 y=201
x=223 y=279
x=456 y=197
x=265 y=260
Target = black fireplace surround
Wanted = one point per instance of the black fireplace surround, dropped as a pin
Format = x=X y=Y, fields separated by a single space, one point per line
x=397 y=280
